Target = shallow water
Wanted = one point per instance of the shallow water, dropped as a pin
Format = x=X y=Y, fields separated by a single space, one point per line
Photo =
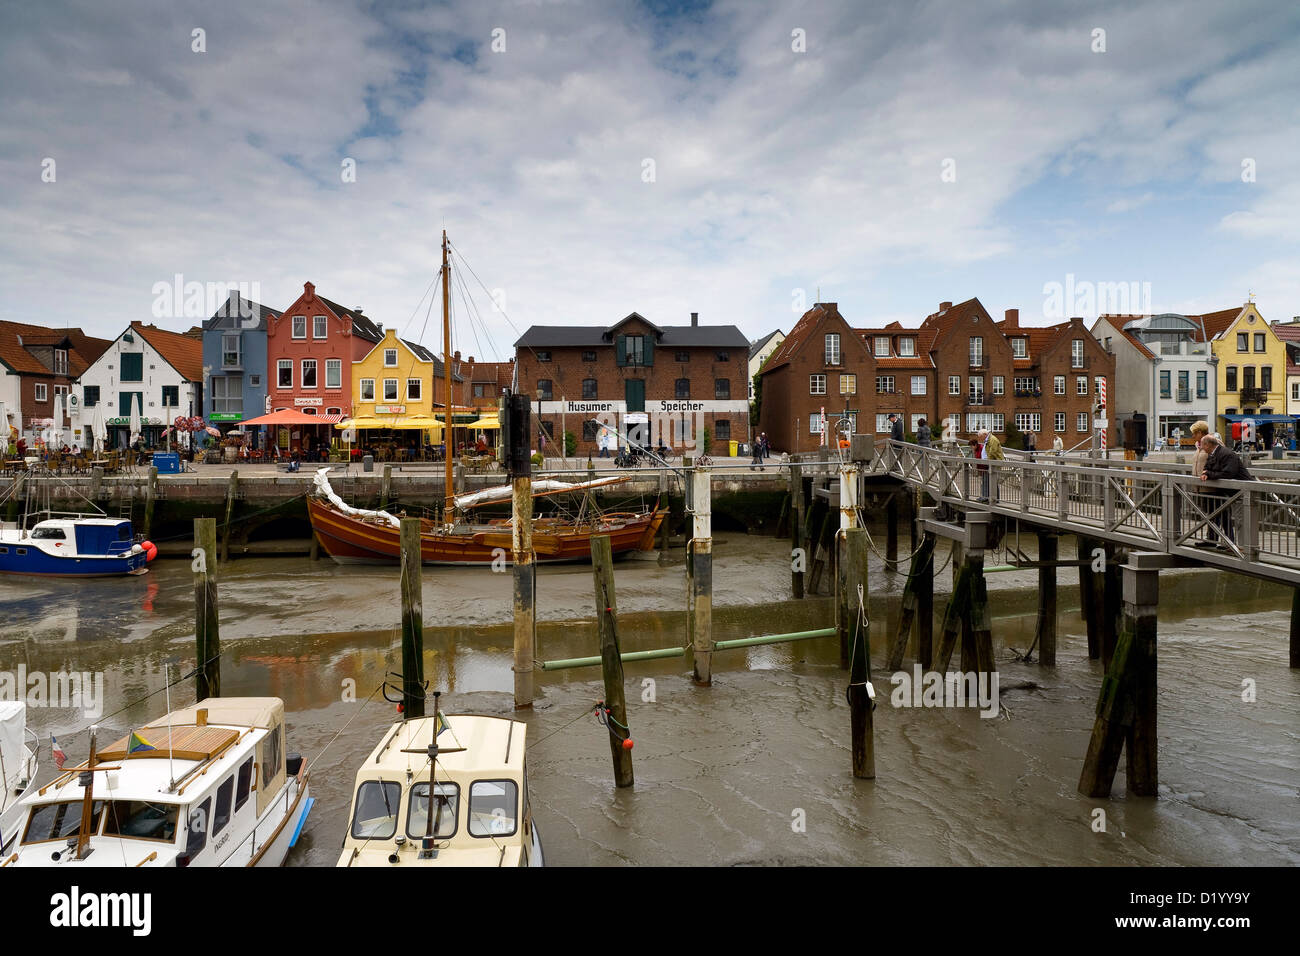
x=724 y=774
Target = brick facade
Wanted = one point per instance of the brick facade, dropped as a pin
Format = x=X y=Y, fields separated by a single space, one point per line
x=648 y=382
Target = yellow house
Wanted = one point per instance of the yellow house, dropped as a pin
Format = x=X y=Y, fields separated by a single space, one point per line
x=394 y=382
x=1251 y=369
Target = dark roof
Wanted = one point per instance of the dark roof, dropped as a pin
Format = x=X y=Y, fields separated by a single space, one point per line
x=361 y=324
x=670 y=336
x=758 y=345
x=239 y=310
x=425 y=355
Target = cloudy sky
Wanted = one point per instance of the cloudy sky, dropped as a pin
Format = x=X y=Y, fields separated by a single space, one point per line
x=592 y=159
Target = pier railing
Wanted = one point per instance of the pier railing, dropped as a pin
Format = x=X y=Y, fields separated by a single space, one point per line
x=1248 y=526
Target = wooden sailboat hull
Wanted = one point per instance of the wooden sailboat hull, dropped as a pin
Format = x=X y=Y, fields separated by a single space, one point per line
x=351 y=540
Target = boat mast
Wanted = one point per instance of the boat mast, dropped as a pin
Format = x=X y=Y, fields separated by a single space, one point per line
x=448 y=489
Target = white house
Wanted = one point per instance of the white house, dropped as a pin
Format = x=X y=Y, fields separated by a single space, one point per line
x=759 y=352
x=156 y=372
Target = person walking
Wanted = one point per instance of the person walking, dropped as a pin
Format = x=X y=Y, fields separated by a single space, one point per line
x=756 y=461
x=895 y=427
x=603 y=441
x=1221 y=463
x=765 y=449
x=923 y=437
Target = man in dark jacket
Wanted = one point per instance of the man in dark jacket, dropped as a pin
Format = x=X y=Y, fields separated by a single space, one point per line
x=895 y=427
x=1223 y=463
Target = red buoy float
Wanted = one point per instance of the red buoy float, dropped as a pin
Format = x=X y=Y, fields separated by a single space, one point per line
x=150 y=550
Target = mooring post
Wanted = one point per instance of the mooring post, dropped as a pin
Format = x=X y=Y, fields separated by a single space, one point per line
x=702 y=575
x=1295 y=627
x=525 y=597
x=150 y=493
x=958 y=559
x=96 y=480
x=611 y=661
x=854 y=603
x=977 y=626
x=823 y=553
x=1090 y=596
x=412 y=620
x=665 y=501
x=919 y=575
x=844 y=581
x=891 y=533
x=231 y=490
x=385 y=487
x=1126 y=706
x=1046 y=636
x=925 y=603
x=207 y=631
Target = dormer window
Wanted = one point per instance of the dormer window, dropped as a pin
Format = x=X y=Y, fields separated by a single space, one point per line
x=60 y=361
x=907 y=347
x=1019 y=348
x=882 y=346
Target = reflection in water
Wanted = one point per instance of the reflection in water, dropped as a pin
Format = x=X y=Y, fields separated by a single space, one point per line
x=720 y=770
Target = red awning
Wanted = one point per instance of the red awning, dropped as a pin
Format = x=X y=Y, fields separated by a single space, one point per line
x=288 y=417
x=328 y=419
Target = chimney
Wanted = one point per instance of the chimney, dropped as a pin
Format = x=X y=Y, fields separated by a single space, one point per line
x=456 y=355
x=308 y=290
x=695 y=319
x=945 y=306
x=1013 y=318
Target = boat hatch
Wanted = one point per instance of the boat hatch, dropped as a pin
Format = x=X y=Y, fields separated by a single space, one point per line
x=181 y=743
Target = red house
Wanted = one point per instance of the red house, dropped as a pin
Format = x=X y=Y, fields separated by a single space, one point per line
x=310 y=349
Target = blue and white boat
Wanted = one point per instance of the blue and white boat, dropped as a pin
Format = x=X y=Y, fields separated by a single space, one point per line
x=74 y=546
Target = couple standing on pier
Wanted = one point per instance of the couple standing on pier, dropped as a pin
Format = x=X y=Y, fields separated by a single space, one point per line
x=1215 y=461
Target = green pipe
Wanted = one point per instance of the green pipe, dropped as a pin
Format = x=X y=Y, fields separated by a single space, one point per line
x=629 y=656
x=775 y=638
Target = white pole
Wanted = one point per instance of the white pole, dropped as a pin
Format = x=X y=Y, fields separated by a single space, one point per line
x=848 y=496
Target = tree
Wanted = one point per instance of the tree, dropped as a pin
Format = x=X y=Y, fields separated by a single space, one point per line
x=570 y=444
x=1015 y=437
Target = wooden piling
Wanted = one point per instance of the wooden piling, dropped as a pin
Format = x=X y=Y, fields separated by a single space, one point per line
x=1126 y=705
x=981 y=622
x=824 y=549
x=891 y=533
x=925 y=605
x=151 y=493
x=702 y=575
x=412 y=620
x=1046 y=630
x=1111 y=604
x=799 y=559
x=385 y=488
x=783 y=518
x=611 y=661
x=525 y=598
x=207 y=629
x=854 y=578
x=231 y=491
x=811 y=531
x=956 y=611
x=1090 y=596
x=922 y=564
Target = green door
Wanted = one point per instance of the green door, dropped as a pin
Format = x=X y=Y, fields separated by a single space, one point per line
x=634 y=392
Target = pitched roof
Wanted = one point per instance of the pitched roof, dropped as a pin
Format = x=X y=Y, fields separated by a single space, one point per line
x=183 y=352
x=1117 y=322
x=16 y=336
x=595 y=336
x=361 y=324
x=1216 y=323
x=425 y=355
x=794 y=341
x=238 y=312
x=758 y=345
x=1287 y=331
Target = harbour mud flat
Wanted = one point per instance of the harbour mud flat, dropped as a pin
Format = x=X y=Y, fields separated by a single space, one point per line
x=755 y=769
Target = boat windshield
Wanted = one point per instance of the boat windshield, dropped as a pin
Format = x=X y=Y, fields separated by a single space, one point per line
x=375 y=816
x=59 y=821
x=417 y=817
x=493 y=808
x=48 y=532
x=142 y=820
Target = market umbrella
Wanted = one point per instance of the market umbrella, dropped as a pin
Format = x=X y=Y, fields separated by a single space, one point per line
x=214 y=432
x=99 y=430
x=135 y=419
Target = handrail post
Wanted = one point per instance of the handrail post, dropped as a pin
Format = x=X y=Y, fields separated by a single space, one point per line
x=1249 y=524
x=1108 y=503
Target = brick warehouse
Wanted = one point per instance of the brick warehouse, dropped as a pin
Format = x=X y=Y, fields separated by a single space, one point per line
x=648 y=382
x=959 y=369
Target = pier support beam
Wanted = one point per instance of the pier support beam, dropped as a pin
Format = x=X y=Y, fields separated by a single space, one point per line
x=611 y=661
x=207 y=630
x=1091 y=604
x=1126 y=706
x=525 y=595
x=412 y=620
x=1046 y=635
x=917 y=605
x=701 y=568
x=891 y=533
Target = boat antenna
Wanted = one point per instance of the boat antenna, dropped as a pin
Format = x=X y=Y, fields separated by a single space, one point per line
x=449 y=493
x=171 y=773
x=432 y=752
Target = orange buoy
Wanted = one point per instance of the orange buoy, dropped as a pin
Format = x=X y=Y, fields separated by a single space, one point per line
x=627 y=744
x=150 y=550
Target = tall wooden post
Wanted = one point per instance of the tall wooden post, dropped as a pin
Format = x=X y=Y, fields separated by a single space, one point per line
x=854 y=578
x=611 y=661
x=150 y=493
x=920 y=579
x=702 y=575
x=525 y=598
x=1090 y=596
x=207 y=631
x=385 y=487
x=412 y=621
x=843 y=581
x=1126 y=706
x=1046 y=636
x=1111 y=604
x=798 y=558
x=891 y=533
x=231 y=491
x=665 y=501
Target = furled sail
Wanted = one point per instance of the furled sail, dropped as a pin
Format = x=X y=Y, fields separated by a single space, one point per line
x=324 y=489
x=542 y=486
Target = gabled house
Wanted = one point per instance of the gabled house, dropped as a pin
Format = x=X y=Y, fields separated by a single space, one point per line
x=1289 y=333
x=36 y=365
x=759 y=351
x=398 y=379
x=1252 y=369
x=157 y=373
x=904 y=380
x=234 y=362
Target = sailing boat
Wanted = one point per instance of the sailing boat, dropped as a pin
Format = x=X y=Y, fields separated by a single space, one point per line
x=352 y=535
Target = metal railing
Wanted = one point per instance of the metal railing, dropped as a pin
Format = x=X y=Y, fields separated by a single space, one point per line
x=1249 y=526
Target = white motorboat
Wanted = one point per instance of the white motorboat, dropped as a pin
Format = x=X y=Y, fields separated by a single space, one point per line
x=207 y=785
x=480 y=814
x=18 y=766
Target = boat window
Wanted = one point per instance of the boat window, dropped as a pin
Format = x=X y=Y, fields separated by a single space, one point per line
x=245 y=778
x=222 y=816
x=49 y=533
x=143 y=820
x=4 y=550
x=272 y=758
x=123 y=532
x=20 y=550
x=58 y=821
x=493 y=808
x=197 y=829
x=375 y=817
x=445 y=813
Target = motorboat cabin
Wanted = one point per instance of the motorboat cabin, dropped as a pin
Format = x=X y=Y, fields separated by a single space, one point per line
x=479 y=815
x=76 y=546
x=207 y=785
